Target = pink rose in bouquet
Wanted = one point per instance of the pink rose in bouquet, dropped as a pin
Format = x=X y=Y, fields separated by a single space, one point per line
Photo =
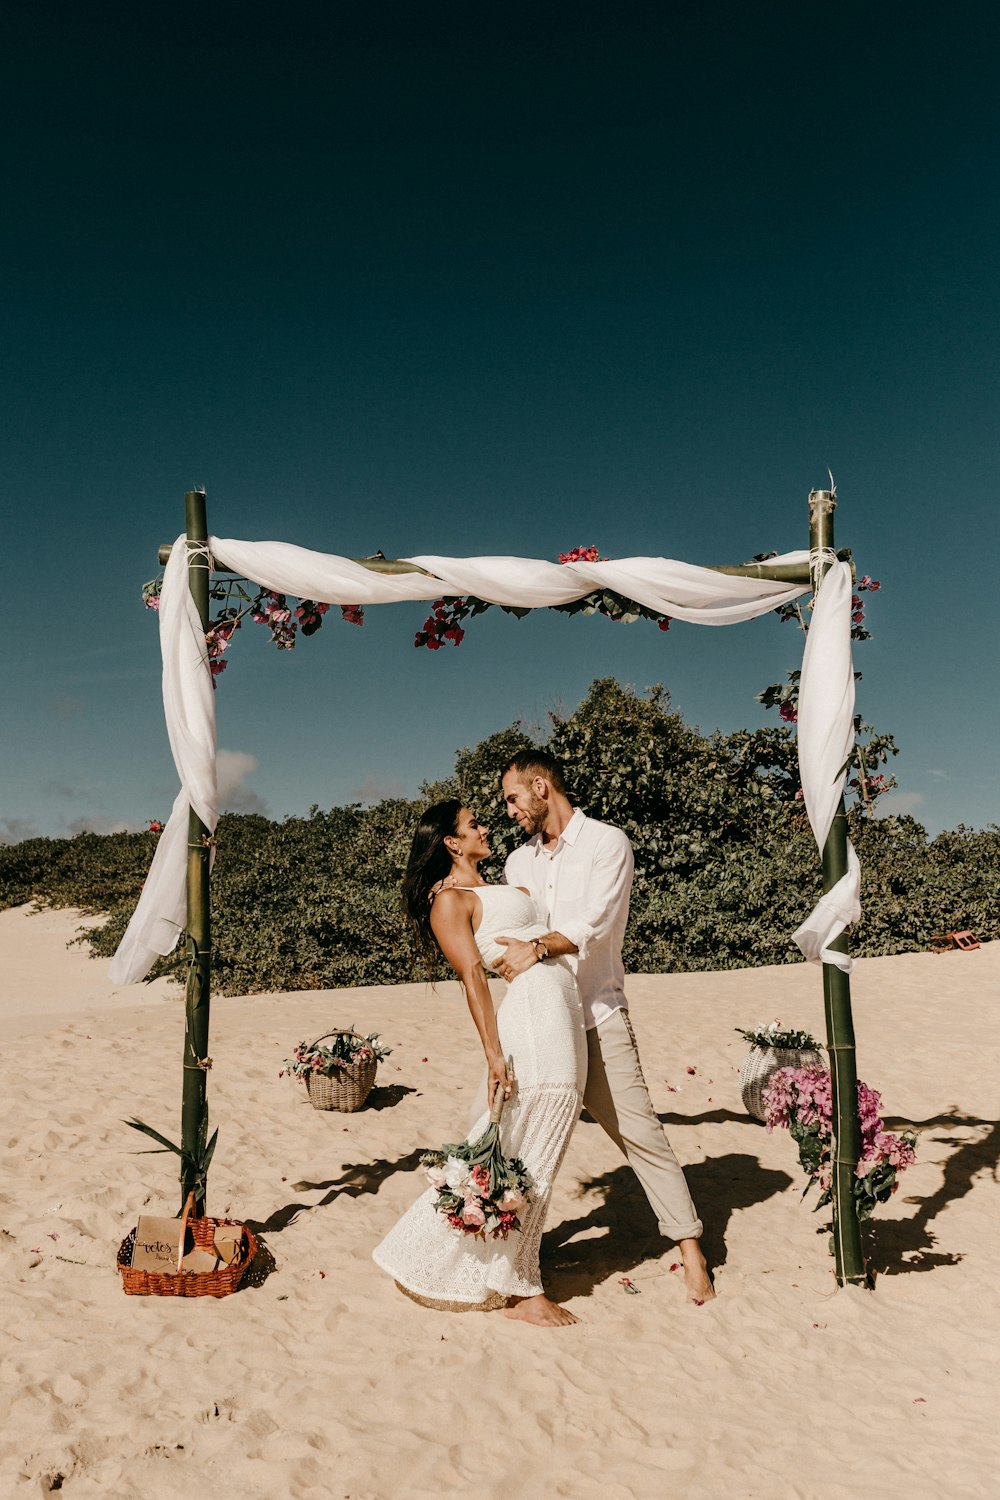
x=479 y=1190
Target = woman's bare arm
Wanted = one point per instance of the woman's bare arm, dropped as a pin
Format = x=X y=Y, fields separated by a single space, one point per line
x=451 y=922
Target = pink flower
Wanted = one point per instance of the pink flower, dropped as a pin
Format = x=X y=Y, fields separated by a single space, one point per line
x=581 y=554
x=511 y=1202
x=472 y=1215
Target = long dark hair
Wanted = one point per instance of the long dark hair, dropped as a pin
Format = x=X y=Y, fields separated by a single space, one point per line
x=429 y=862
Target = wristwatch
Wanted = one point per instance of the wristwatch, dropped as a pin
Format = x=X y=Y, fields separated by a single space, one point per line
x=540 y=949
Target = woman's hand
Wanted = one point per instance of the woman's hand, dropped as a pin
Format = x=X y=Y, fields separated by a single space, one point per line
x=498 y=1078
x=518 y=959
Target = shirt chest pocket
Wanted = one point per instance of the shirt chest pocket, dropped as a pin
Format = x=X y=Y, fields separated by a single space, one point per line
x=570 y=887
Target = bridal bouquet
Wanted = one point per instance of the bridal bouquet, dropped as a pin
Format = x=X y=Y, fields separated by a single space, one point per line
x=479 y=1190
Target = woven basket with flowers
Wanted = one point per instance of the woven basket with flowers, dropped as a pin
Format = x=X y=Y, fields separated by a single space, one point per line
x=772 y=1047
x=341 y=1075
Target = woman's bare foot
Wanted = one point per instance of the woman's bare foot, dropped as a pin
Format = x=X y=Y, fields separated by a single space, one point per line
x=539 y=1310
x=697 y=1277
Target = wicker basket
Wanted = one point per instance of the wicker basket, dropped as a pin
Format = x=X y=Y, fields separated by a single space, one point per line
x=217 y=1283
x=761 y=1062
x=349 y=1087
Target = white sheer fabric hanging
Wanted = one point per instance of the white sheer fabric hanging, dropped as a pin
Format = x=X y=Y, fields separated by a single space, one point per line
x=826 y=739
x=681 y=590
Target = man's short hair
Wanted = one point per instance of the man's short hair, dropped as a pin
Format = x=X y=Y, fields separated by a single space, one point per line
x=531 y=763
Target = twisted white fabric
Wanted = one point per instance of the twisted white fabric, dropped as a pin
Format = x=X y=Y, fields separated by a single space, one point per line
x=685 y=592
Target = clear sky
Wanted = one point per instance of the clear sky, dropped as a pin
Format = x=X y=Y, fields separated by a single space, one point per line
x=461 y=279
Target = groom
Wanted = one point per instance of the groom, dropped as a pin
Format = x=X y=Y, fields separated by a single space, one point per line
x=580 y=871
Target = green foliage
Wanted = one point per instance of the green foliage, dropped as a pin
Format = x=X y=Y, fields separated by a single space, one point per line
x=194 y=1163
x=726 y=866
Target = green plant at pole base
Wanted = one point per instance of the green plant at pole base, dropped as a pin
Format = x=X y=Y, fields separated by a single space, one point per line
x=194 y=1164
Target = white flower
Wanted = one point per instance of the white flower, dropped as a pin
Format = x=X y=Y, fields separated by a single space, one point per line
x=435 y=1176
x=456 y=1172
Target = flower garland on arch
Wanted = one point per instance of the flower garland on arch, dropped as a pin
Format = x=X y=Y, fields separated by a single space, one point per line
x=265 y=607
x=444 y=624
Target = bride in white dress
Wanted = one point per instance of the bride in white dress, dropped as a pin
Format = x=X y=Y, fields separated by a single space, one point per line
x=539 y=1024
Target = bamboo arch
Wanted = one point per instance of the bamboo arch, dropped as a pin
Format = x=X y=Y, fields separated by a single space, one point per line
x=796 y=573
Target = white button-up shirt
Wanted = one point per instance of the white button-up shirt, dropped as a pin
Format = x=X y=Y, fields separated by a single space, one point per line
x=582 y=886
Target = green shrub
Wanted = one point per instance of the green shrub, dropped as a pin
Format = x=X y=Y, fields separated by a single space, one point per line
x=726 y=866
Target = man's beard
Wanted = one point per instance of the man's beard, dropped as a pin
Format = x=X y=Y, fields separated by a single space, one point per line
x=537 y=816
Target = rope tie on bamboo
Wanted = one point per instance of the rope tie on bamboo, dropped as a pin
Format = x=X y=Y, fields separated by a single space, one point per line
x=197 y=550
x=820 y=560
x=200 y=1065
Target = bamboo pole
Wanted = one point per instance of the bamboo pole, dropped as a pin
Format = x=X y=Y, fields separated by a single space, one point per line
x=194 y=1104
x=850 y=1262
x=776 y=573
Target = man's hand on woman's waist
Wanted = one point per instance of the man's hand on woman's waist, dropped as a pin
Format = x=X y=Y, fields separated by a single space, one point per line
x=522 y=956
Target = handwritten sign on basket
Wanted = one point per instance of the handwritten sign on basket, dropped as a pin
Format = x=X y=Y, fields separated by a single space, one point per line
x=159 y=1244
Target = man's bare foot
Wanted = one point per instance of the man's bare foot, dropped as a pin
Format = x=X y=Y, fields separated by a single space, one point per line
x=539 y=1310
x=697 y=1277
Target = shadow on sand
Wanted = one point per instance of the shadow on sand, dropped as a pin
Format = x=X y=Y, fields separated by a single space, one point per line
x=355 y=1179
x=901 y=1245
x=574 y=1267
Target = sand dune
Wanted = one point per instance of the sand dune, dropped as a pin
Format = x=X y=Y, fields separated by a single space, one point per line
x=323 y=1381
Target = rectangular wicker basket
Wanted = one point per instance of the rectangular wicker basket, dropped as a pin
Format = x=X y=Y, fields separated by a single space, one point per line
x=218 y=1283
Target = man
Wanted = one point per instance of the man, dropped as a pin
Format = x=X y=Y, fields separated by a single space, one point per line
x=580 y=871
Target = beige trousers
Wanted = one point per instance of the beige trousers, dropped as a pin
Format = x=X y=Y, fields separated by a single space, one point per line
x=617 y=1097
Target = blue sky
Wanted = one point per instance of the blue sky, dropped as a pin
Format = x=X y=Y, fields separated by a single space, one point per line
x=458 y=280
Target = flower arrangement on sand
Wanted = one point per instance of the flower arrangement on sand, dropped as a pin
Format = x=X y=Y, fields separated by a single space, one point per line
x=800 y=1101
x=347 y=1048
x=772 y=1034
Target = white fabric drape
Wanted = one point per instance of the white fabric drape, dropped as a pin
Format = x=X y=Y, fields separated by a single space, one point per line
x=673 y=588
x=826 y=739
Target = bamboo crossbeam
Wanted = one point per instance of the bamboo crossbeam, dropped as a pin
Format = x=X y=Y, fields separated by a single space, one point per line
x=783 y=573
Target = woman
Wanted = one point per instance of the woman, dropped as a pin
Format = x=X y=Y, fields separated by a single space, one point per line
x=540 y=1025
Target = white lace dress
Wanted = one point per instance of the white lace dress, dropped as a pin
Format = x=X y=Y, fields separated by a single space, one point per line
x=540 y=1024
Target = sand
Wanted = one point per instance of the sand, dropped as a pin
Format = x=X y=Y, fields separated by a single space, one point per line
x=323 y=1381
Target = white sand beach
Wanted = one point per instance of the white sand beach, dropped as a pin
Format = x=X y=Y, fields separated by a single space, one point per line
x=321 y=1380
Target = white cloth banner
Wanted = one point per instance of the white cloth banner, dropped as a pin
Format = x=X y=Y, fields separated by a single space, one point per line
x=685 y=592
x=826 y=739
